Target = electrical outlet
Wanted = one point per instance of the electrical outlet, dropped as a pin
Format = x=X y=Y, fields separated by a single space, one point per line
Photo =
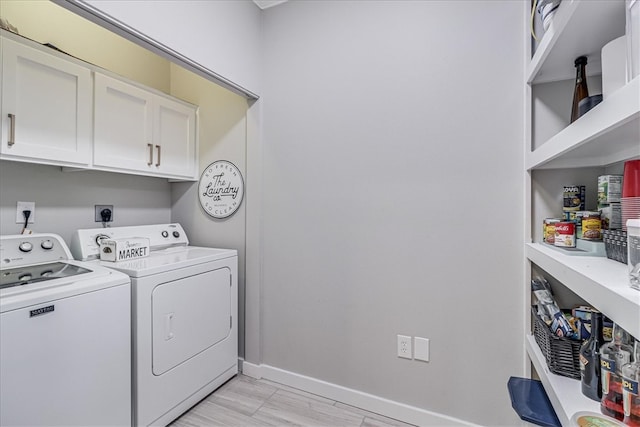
x=404 y=346
x=98 y=212
x=25 y=206
x=421 y=349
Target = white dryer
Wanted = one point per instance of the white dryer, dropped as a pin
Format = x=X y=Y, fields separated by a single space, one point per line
x=184 y=317
x=65 y=337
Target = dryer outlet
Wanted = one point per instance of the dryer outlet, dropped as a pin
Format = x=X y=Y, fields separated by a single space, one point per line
x=106 y=210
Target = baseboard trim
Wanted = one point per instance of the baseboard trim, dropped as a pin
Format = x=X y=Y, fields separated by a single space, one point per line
x=249 y=369
x=389 y=408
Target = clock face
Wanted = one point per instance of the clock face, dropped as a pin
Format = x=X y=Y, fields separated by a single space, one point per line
x=221 y=189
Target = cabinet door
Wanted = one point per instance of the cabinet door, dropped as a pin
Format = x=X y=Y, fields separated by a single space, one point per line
x=122 y=126
x=175 y=138
x=46 y=107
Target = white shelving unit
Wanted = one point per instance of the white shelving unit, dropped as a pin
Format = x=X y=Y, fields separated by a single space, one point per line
x=607 y=134
x=599 y=280
x=579 y=27
x=598 y=142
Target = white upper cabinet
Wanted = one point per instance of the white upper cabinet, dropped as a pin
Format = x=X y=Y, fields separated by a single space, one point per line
x=122 y=125
x=140 y=131
x=59 y=110
x=46 y=107
x=174 y=134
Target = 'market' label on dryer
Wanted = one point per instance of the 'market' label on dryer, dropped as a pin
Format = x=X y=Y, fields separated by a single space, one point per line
x=124 y=249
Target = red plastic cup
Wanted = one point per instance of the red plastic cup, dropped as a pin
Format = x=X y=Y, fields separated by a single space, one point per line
x=631 y=179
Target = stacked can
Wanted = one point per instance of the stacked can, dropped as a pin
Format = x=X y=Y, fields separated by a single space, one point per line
x=549 y=230
x=573 y=197
x=590 y=226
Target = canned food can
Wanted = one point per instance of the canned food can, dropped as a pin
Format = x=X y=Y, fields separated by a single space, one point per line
x=549 y=230
x=591 y=226
x=573 y=197
x=576 y=218
x=565 y=234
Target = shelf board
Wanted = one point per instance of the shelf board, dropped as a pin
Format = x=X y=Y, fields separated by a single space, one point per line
x=564 y=393
x=579 y=27
x=607 y=134
x=601 y=282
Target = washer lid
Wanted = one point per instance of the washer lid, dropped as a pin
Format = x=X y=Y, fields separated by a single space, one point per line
x=86 y=277
x=29 y=274
x=168 y=259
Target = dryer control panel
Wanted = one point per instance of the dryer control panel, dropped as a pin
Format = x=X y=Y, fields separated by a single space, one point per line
x=85 y=243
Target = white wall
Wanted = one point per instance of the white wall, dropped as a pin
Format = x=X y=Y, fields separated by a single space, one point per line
x=393 y=155
x=65 y=200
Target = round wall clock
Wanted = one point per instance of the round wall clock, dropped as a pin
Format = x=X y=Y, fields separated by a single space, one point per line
x=221 y=189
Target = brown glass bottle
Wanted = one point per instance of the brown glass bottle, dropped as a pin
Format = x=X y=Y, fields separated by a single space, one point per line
x=581 y=91
x=590 y=360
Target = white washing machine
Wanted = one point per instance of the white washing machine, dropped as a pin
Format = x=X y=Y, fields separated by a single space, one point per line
x=184 y=317
x=65 y=337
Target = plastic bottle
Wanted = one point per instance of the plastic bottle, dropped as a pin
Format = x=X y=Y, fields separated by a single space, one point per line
x=612 y=357
x=590 y=359
x=630 y=397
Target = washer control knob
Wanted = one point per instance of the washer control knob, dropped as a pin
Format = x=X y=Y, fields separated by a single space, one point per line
x=165 y=234
x=25 y=277
x=46 y=245
x=25 y=247
x=176 y=234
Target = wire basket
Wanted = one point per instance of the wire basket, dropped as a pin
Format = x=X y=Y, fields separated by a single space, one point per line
x=561 y=354
x=615 y=245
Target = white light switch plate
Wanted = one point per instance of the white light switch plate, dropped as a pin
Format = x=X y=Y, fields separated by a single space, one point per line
x=421 y=349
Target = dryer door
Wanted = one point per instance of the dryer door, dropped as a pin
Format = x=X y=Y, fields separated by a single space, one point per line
x=190 y=315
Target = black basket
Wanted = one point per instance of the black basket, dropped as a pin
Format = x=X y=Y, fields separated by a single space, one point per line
x=562 y=354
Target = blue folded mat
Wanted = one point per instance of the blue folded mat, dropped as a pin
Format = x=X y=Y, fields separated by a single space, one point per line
x=531 y=402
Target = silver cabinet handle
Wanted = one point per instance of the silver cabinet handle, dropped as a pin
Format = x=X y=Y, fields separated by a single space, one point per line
x=158 y=162
x=12 y=130
x=150 y=162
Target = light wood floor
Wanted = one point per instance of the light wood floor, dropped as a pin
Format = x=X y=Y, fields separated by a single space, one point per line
x=244 y=401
